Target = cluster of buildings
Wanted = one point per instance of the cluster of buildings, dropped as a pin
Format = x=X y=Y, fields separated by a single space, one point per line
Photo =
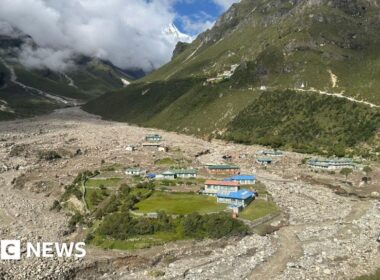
x=226 y=191
x=151 y=142
x=178 y=174
x=167 y=175
x=225 y=75
x=229 y=191
x=331 y=163
x=265 y=157
x=223 y=169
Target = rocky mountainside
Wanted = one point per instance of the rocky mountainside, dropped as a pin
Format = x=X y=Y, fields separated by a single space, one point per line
x=26 y=91
x=295 y=74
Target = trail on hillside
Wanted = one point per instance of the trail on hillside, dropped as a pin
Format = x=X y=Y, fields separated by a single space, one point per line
x=321 y=92
x=14 y=79
x=338 y=95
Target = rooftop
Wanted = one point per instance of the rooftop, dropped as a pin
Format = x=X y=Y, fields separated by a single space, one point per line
x=241 y=194
x=151 y=144
x=271 y=152
x=331 y=160
x=133 y=169
x=241 y=177
x=184 y=171
x=222 y=183
x=264 y=159
x=223 y=166
x=169 y=172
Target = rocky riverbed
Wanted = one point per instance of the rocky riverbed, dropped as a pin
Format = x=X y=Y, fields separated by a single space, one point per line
x=323 y=235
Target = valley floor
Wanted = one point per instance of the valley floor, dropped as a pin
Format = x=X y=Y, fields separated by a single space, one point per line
x=322 y=235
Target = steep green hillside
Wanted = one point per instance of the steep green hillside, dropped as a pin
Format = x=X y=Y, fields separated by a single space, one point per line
x=306 y=122
x=261 y=56
x=285 y=45
x=26 y=92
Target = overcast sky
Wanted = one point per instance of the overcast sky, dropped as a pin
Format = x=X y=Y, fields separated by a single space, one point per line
x=129 y=33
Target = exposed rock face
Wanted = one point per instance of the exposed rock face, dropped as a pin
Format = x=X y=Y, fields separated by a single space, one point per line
x=179 y=48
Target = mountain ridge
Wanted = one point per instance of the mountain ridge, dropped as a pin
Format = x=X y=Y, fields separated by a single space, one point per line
x=257 y=51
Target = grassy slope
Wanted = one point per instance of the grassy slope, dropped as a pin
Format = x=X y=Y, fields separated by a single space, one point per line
x=33 y=79
x=307 y=122
x=141 y=103
x=258 y=209
x=179 y=203
x=91 y=80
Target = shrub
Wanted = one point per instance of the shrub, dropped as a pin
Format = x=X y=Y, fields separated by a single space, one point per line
x=49 y=155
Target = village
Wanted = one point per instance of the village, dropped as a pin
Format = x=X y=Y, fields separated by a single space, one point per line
x=222 y=180
x=309 y=216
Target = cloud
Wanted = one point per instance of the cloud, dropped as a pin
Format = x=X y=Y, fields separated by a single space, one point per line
x=40 y=58
x=129 y=33
x=197 y=23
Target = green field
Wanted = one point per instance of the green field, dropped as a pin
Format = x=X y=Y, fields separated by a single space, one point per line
x=258 y=209
x=166 y=161
x=109 y=182
x=179 y=203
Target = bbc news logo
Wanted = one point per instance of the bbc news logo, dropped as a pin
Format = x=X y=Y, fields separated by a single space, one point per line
x=11 y=250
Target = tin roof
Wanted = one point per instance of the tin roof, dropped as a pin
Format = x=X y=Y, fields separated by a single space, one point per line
x=241 y=194
x=241 y=177
x=265 y=159
x=184 y=171
x=223 y=167
x=222 y=183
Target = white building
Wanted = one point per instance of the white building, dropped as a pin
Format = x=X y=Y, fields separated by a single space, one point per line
x=134 y=172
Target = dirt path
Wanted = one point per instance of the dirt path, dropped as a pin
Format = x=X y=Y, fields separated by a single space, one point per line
x=295 y=241
x=289 y=248
x=337 y=95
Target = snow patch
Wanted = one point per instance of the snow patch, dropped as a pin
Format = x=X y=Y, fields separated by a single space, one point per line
x=125 y=82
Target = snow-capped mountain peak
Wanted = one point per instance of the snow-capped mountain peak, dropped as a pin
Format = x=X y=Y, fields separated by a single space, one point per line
x=174 y=34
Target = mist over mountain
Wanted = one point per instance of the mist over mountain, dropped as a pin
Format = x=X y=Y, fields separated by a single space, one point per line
x=129 y=36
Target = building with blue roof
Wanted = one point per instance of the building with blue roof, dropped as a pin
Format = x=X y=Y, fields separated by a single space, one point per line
x=237 y=200
x=242 y=179
x=151 y=176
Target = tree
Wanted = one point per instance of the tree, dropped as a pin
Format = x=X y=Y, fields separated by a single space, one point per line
x=346 y=172
x=367 y=170
x=94 y=198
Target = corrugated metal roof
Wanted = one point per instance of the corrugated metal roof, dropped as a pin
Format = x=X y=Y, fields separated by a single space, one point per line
x=222 y=183
x=169 y=173
x=241 y=194
x=241 y=177
x=184 y=171
x=223 y=167
x=133 y=170
x=264 y=159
